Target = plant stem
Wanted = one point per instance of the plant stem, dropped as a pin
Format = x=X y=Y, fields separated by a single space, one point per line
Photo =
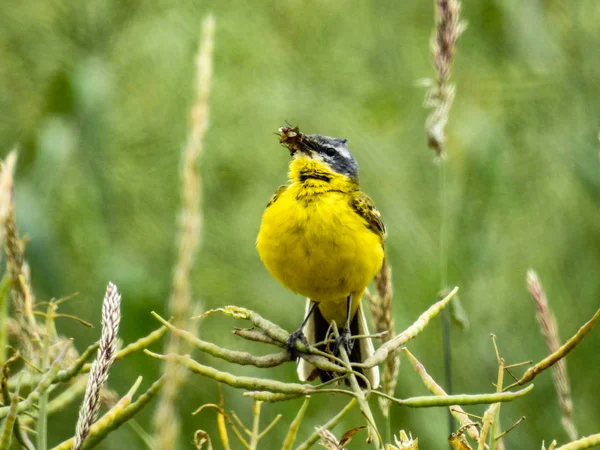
x=499 y=384
x=443 y=223
x=42 y=420
x=388 y=428
x=4 y=285
x=446 y=328
x=314 y=437
x=255 y=424
x=141 y=433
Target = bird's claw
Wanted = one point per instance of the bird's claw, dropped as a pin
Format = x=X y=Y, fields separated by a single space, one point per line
x=290 y=345
x=344 y=340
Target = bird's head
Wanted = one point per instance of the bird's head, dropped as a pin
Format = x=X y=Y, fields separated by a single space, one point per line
x=333 y=152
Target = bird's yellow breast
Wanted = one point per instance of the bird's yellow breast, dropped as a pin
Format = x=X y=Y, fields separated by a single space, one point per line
x=314 y=243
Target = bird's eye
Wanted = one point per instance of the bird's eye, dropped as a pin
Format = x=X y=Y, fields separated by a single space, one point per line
x=330 y=151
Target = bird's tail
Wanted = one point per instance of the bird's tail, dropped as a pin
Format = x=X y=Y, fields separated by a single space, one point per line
x=315 y=331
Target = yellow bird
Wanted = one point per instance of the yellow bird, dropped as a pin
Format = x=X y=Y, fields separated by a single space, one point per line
x=322 y=237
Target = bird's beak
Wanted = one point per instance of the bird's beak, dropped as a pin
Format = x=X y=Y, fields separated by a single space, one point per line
x=294 y=140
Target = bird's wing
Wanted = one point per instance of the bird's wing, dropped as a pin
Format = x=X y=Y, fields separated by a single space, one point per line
x=276 y=195
x=364 y=207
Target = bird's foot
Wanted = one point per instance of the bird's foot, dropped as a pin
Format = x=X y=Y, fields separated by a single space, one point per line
x=344 y=340
x=290 y=345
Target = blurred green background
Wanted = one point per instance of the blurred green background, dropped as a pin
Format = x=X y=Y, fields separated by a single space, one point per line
x=97 y=95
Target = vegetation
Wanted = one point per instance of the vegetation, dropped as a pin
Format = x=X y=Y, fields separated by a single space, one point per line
x=98 y=97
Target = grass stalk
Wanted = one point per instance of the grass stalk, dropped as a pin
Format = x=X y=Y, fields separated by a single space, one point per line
x=254 y=435
x=42 y=420
x=360 y=396
x=44 y=384
x=436 y=389
x=549 y=329
x=429 y=401
x=295 y=426
x=166 y=423
x=410 y=333
x=446 y=320
x=499 y=385
x=562 y=352
x=119 y=414
x=583 y=443
x=314 y=437
x=7 y=427
x=4 y=285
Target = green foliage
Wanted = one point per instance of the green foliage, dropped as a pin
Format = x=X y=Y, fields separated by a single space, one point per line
x=98 y=93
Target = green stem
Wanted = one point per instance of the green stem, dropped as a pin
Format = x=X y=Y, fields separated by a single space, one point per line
x=42 y=420
x=496 y=423
x=295 y=425
x=4 y=285
x=388 y=428
x=446 y=328
x=314 y=437
x=255 y=425
x=141 y=433
x=359 y=394
x=42 y=387
x=410 y=333
x=429 y=401
x=443 y=224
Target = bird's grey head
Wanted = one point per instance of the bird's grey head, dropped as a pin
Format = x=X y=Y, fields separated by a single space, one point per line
x=334 y=152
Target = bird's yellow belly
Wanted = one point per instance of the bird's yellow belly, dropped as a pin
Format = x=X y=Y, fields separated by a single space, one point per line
x=320 y=249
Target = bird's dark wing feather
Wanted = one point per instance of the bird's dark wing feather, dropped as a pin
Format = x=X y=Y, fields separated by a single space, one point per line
x=364 y=207
x=276 y=195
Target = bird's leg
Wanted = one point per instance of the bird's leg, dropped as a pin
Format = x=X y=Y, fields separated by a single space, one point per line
x=345 y=333
x=290 y=345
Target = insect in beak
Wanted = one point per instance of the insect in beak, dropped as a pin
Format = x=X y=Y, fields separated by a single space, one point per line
x=294 y=140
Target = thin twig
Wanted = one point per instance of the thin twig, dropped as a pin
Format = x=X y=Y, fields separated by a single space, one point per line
x=436 y=389
x=240 y=382
x=80 y=367
x=549 y=329
x=457 y=399
x=488 y=419
x=495 y=426
x=360 y=395
x=583 y=443
x=123 y=411
x=314 y=437
x=290 y=437
x=7 y=427
x=410 y=333
x=563 y=351
x=254 y=434
x=44 y=384
x=381 y=313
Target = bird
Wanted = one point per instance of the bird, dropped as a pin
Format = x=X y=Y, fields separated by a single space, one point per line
x=323 y=238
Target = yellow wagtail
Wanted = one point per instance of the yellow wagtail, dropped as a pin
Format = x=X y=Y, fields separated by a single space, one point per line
x=322 y=237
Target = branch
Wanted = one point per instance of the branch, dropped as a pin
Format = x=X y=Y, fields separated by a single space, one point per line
x=240 y=382
x=436 y=389
x=232 y=356
x=117 y=416
x=43 y=385
x=410 y=333
x=79 y=366
x=563 y=351
x=460 y=399
x=317 y=358
x=580 y=444
x=328 y=426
